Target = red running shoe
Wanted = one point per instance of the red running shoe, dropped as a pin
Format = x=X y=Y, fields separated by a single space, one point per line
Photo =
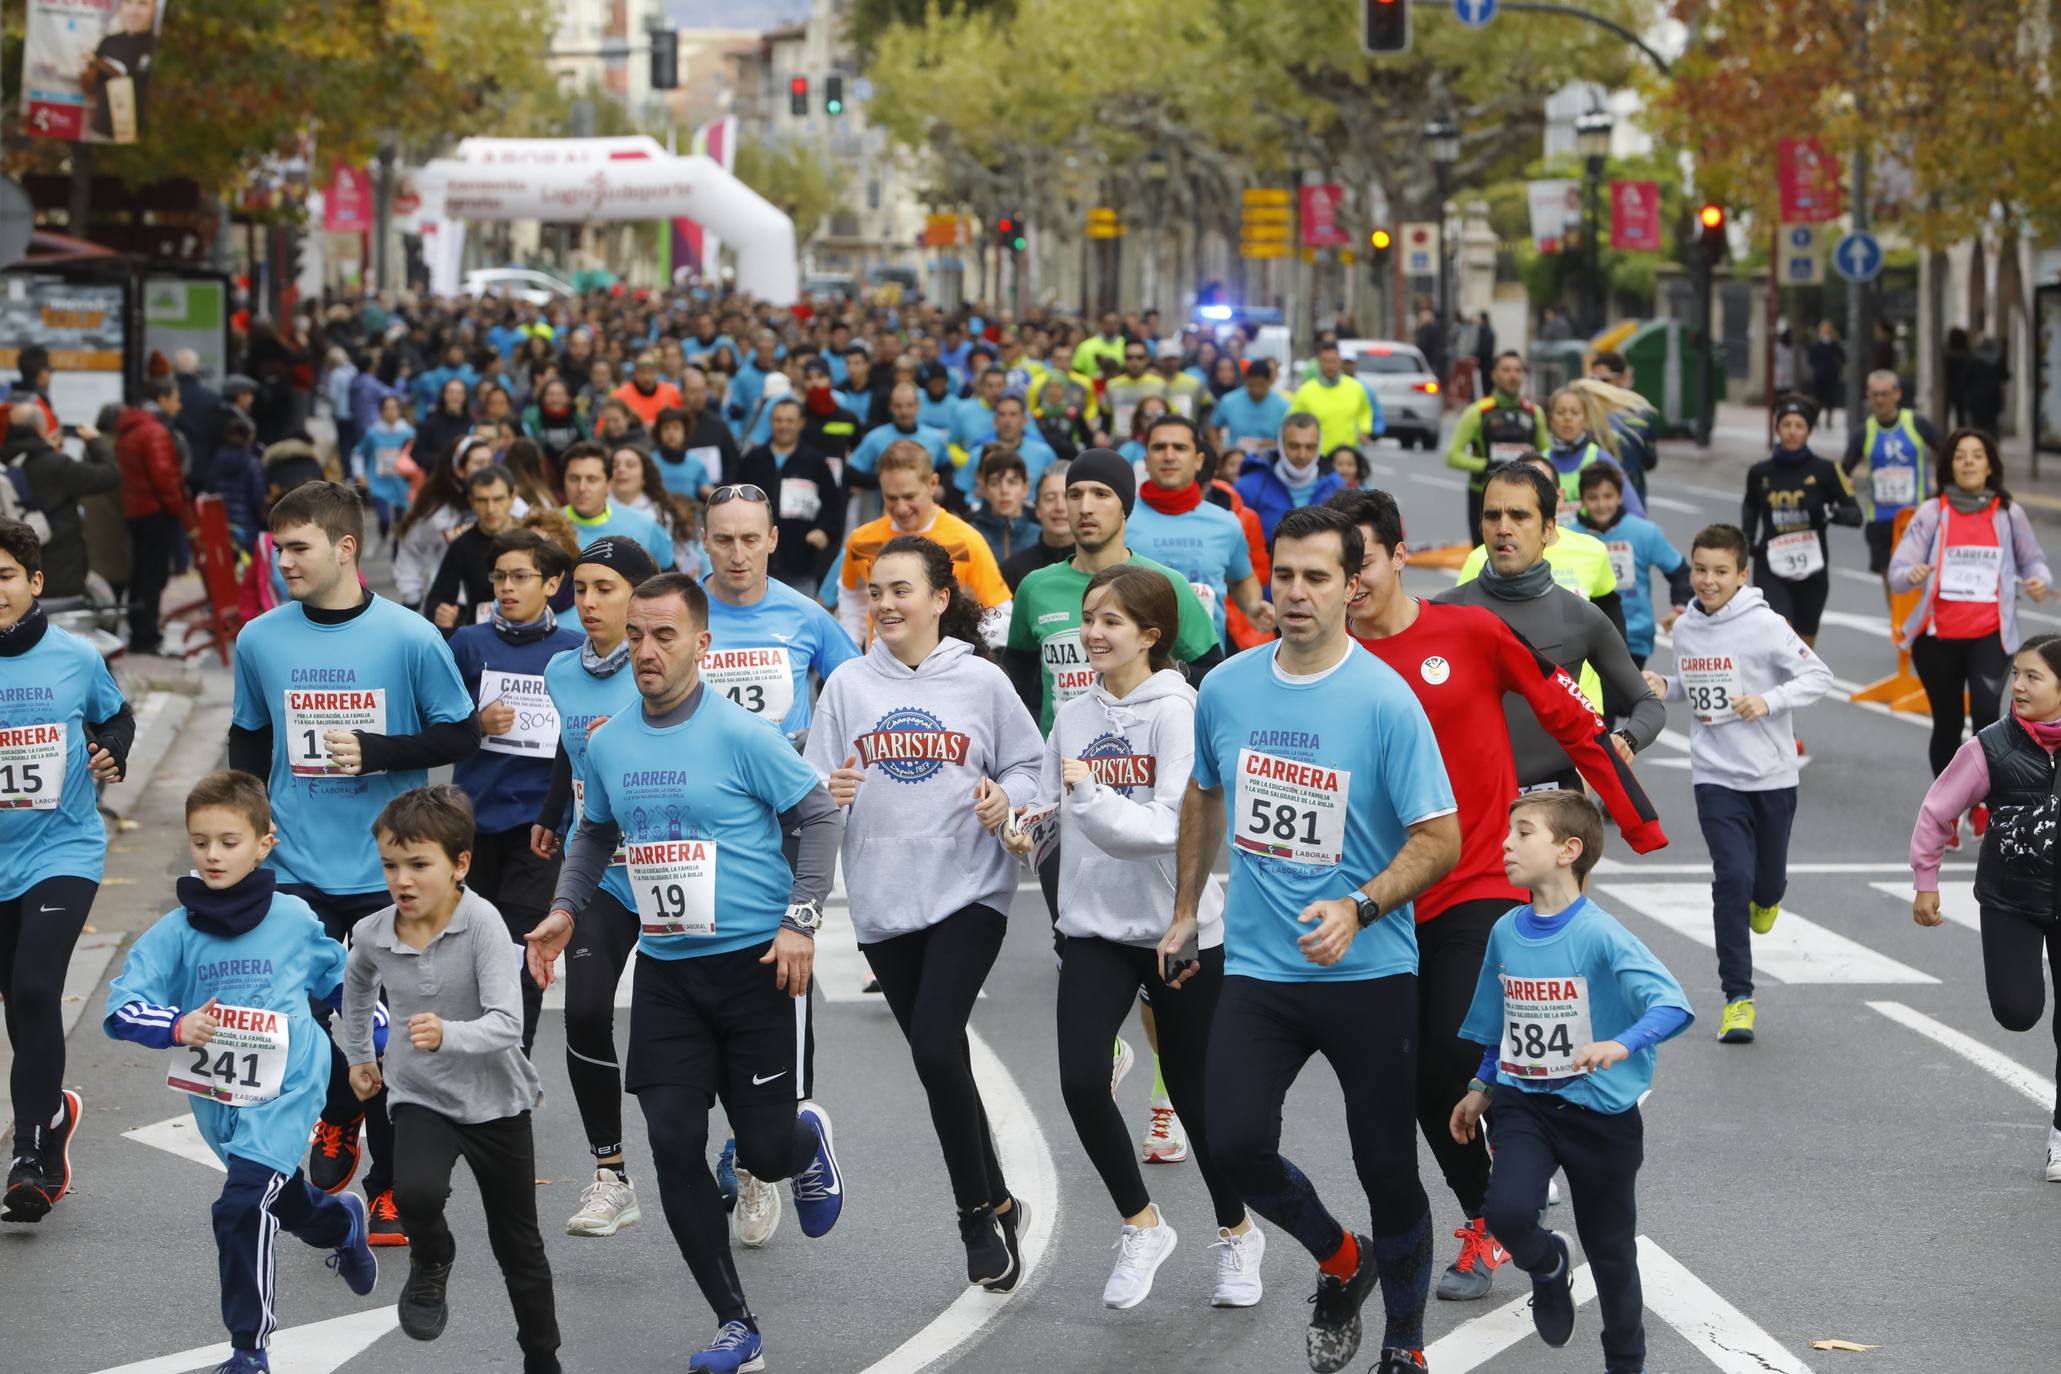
x=383 y=1226
x=1978 y=820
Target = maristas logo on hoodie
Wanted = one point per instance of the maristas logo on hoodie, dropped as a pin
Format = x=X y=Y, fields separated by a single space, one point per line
x=909 y=745
x=1110 y=760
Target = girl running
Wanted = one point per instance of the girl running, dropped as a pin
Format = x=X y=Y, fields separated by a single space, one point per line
x=927 y=746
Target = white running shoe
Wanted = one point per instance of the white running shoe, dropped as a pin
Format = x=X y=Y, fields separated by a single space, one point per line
x=2053 y=1155
x=607 y=1205
x=1121 y=1064
x=758 y=1211
x=1140 y=1252
x=1165 y=1142
x=1238 y=1268
x=1552 y=1192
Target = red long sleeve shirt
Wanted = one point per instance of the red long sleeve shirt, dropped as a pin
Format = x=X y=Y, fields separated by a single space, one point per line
x=1460 y=660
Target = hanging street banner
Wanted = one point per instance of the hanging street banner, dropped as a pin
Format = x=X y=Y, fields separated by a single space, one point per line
x=347 y=204
x=1554 y=206
x=1320 y=227
x=86 y=68
x=1635 y=216
x=1809 y=178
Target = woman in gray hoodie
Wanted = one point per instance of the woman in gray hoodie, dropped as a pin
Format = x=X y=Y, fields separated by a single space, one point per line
x=1115 y=767
x=927 y=746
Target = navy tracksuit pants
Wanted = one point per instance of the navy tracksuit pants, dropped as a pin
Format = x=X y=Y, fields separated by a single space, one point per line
x=1747 y=834
x=257 y=1203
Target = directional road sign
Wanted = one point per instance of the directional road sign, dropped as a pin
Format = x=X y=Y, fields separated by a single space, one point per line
x=1858 y=257
x=1474 y=13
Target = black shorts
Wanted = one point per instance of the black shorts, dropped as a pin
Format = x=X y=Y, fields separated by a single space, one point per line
x=718 y=1023
x=1801 y=603
x=1879 y=533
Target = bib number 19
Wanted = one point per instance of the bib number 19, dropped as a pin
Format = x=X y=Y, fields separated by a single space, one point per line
x=668 y=902
x=1282 y=821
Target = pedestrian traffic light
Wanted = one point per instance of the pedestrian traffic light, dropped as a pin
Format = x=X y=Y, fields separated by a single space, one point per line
x=1009 y=233
x=665 y=59
x=1385 y=26
x=1710 y=222
x=833 y=94
x=798 y=96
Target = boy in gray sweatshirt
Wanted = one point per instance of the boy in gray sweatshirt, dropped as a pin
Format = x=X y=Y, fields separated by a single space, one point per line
x=458 y=1082
x=1743 y=671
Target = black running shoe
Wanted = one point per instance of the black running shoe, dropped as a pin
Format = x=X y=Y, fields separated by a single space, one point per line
x=989 y=1258
x=1552 y=1297
x=333 y=1154
x=423 y=1307
x=1334 y=1335
x=1012 y=1221
x=41 y=1172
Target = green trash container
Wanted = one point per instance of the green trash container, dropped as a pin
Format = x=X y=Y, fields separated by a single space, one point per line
x=1555 y=364
x=1663 y=358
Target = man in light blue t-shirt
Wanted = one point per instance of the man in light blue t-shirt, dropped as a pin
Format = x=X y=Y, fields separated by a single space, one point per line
x=1176 y=524
x=584 y=469
x=1249 y=419
x=1320 y=762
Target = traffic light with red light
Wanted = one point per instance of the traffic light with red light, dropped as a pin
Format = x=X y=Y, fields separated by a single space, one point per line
x=1009 y=234
x=1710 y=230
x=798 y=96
x=1385 y=26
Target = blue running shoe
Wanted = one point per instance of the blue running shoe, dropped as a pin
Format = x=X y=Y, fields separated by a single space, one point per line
x=818 y=1189
x=244 y=1362
x=736 y=1349
x=354 y=1258
x=726 y=1174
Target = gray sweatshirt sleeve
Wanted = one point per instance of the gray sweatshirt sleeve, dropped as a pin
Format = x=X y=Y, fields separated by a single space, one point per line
x=1019 y=748
x=1607 y=654
x=361 y=990
x=820 y=826
x=587 y=852
x=1799 y=675
x=1148 y=829
x=495 y=961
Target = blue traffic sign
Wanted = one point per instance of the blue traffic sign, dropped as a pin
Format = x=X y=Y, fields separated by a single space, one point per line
x=1474 y=13
x=1858 y=257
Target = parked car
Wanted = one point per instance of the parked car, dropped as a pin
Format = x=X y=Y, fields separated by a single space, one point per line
x=518 y=283
x=1404 y=384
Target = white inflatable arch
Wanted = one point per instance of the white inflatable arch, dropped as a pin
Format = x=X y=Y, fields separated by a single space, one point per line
x=558 y=179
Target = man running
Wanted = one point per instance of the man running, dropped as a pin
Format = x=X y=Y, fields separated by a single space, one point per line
x=700 y=794
x=1517 y=586
x=1460 y=662
x=908 y=497
x=584 y=468
x=1197 y=538
x=1499 y=427
x=344 y=700
x=1898 y=447
x=1340 y=814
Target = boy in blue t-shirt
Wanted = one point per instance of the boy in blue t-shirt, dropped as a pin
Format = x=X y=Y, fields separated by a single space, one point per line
x=222 y=982
x=1566 y=996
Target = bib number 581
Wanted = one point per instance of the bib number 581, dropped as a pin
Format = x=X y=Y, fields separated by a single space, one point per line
x=1281 y=821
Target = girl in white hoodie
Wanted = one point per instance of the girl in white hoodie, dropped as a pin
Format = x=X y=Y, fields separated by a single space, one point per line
x=1116 y=766
x=927 y=745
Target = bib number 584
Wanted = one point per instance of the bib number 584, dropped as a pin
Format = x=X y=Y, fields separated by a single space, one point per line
x=1536 y=1042
x=1281 y=821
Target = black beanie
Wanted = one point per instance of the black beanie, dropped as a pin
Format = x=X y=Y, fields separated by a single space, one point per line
x=623 y=555
x=1112 y=469
x=1797 y=405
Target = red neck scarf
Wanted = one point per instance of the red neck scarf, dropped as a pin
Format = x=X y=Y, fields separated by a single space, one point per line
x=2045 y=733
x=1177 y=502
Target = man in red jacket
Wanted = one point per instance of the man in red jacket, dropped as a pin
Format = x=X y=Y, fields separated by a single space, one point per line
x=1460 y=666
x=155 y=500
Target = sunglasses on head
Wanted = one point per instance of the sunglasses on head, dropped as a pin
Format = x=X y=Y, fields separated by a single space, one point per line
x=737 y=491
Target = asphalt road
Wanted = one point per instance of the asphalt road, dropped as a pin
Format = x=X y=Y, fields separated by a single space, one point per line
x=1869 y=1171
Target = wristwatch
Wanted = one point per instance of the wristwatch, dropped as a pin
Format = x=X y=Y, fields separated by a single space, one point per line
x=805 y=917
x=1369 y=909
x=1629 y=742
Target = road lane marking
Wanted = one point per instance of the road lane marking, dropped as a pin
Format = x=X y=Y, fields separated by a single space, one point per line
x=178 y=1135
x=2008 y=1070
x=1475 y=1343
x=1956 y=900
x=1607 y=867
x=1669 y=503
x=1026 y=1159
x=1728 y=1338
x=1795 y=951
x=1856 y=575
x=1875 y=625
x=317 y=1348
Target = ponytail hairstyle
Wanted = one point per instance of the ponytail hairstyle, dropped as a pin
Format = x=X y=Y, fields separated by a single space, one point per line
x=961 y=617
x=2048 y=647
x=1147 y=600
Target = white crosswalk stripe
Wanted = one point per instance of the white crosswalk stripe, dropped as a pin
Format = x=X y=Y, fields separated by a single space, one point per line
x=1956 y=900
x=1795 y=951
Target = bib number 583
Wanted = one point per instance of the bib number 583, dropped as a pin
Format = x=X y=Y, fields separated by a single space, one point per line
x=1281 y=821
x=1709 y=697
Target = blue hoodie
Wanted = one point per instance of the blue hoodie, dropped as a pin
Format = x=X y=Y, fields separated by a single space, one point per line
x=1261 y=488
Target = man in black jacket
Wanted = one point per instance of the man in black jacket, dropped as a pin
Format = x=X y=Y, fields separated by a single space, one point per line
x=705 y=428
x=807 y=508
x=197 y=418
x=463 y=590
x=56 y=483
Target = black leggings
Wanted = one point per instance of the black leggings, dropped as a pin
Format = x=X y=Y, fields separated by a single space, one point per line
x=37 y=932
x=930 y=978
x=1801 y=603
x=508 y=873
x=2011 y=969
x=603 y=939
x=1948 y=667
x=339 y=912
x=1450 y=948
x=772 y=1143
x=1098 y=982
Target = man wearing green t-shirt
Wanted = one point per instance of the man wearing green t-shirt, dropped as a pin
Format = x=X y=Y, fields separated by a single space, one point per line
x=1044 y=656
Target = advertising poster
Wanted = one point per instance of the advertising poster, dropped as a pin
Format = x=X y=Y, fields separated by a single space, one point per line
x=180 y=312
x=83 y=327
x=86 y=68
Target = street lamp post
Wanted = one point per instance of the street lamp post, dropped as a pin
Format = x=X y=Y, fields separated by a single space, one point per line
x=1592 y=140
x=1442 y=137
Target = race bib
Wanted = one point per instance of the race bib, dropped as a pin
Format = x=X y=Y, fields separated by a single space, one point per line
x=1120 y=418
x=1894 y=486
x=1507 y=453
x=243 y=1065
x=1042 y=828
x=32 y=759
x=1207 y=595
x=1253 y=444
x=1290 y=810
x=580 y=814
x=1545 y=1020
x=386 y=461
x=759 y=680
x=1622 y=565
x=1970 y=572
x=674 y=882
x=1796 y=555
x=711 y=459
x=312 y=714
x=483 y=613
x=1712 y=685
x=800 y=499
x=1182 y=404
x=1066 y=663
x=535 y=731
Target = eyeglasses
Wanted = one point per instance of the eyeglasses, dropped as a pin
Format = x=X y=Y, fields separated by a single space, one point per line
x=737 y=491
x=518 y=578
x=1134 y=357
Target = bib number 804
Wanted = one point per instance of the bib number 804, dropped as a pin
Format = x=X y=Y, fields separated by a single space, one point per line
x=1536 y=1043
x=1282 y=821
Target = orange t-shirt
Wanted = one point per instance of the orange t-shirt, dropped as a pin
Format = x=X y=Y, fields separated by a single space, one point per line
x=972 y=560
x=646 y=408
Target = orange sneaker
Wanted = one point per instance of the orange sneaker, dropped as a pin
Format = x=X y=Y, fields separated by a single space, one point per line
x=1470 y=1276
x=333 y=1154
x=383 y=1225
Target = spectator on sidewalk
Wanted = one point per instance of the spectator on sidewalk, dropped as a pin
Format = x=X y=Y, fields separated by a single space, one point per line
x=1827 y=360
x=56 y=484
x=106 y=531
x=237 y=476
x=34 y=382
x=198 y=403
x=155 y=501
x=1986 y=374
